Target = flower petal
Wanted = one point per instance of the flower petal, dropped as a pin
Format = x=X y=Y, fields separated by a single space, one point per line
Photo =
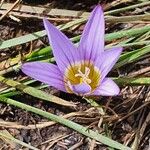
x=107 y=60
x=81 y=89
x=92 y=40
x=63 y=49
x=107 y=88
x=44 y=72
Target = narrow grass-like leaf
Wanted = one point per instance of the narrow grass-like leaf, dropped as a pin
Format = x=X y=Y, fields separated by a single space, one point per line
x=132 y=81
x=12 y=92
x=46 y=52
x=25 y=82
x=32 y=36
x=125 y=58
x=22 y=39
x=79 y=128
x=39 y=34
x=115 y=11
x=126 y=33
x=124 y=44
x=131 y=18
x=11 y=138
x=36 y=93
x=72 y=23
x=132 y=56
x=39 y=52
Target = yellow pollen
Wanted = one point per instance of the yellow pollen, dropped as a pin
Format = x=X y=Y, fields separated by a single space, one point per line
x=81 y=80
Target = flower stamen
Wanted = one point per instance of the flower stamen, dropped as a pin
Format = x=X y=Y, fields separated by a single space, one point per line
x=84 y=77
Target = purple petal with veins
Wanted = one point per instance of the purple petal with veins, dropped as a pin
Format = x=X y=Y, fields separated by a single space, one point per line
x=46 y=73
x=64 y=51
x=92 y=39
x=107 y=60
x=107 y=88
x=81 y=89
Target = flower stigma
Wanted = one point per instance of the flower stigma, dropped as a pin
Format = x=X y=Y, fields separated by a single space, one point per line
x=84 y=77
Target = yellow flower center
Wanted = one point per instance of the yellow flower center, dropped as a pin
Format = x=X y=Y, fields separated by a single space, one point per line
x=84 y=77
x=82 y=72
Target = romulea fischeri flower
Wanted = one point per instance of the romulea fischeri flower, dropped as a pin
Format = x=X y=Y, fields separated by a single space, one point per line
x=81 y=70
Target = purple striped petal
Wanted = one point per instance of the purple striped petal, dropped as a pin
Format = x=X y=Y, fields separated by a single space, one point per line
x=107 y=60
x=92 y=40
x=44 y=72
x=64 y=51
x=81 y=89
x=107 y=88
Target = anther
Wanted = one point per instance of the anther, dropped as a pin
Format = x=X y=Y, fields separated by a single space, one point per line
x=84 y=76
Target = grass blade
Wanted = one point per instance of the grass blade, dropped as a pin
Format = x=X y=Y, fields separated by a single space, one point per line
x=39 y=34
x=36 y=93
x=133 y=81
x=132 y=56
x=11 y=138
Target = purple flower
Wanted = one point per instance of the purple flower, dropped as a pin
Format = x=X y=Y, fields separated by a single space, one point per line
x=79 y=70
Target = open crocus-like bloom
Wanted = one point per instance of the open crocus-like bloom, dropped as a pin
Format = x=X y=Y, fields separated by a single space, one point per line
x=79 y=70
